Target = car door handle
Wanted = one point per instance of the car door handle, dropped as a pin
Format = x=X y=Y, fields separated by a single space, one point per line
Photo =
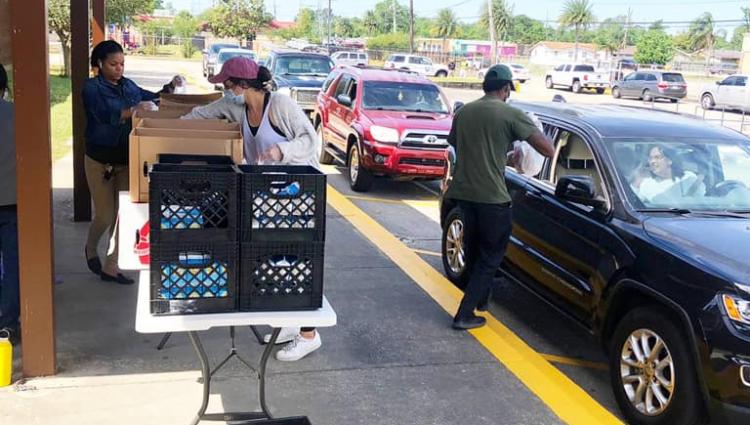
x=533 y=195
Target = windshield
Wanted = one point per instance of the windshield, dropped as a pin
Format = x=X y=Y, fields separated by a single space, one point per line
x=225 y=56
x=584 y=68
x=692 y=175
x=303 y=65
x=673 y=78
x=216 y=47
x=413 y=97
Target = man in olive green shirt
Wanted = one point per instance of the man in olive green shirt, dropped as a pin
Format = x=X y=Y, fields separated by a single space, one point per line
x=482 y=134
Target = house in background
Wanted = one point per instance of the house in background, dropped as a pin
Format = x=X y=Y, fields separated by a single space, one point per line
x=433 y=45
x=483 y=48
x=555 y=53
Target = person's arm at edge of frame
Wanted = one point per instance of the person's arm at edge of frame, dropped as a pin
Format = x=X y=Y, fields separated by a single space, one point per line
x=541 y=144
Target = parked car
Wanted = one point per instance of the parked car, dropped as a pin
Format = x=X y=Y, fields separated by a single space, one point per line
x=383 y=123
x=229 y=53
x=299 y=75
x=661 y=279
x=730 y=93
x=520 y=73
x=419 y=64
x=723 y=69
x=577 y=77
x=351 y=58
x=210 y=55
x=649 y=85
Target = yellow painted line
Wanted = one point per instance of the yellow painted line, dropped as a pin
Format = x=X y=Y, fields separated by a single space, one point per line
x=574 y=362
x=371 y=199
x=425 y=252
x=569 y=401
x=429 y=209
x=329 y=169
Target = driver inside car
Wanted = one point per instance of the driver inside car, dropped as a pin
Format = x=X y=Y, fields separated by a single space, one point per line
x=665 y=179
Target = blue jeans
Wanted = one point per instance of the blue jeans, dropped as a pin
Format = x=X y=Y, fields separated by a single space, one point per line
x=9 y=296
x=486 y=236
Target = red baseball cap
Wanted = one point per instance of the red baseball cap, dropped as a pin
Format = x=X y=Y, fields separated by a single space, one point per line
x=236 y=67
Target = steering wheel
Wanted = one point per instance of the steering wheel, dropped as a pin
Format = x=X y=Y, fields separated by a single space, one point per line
x=723 y=188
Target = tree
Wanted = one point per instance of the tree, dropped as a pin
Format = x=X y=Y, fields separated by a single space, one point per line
x=739 y=32
x=121 y=11
x=446 y=25
x=655 y=47
x=611 y=34
x=185 y=26
x=58 y=13
x=703 y=35
x=526 y=30
x=578 y=15
x=306 y=23
x=379 y=20
x=239 y=18
x=502 y=14
x=657 y=26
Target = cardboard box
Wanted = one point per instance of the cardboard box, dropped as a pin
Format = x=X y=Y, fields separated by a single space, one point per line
x=178 y=124
x=170 y=113
x=190 y=99
x=147 y=143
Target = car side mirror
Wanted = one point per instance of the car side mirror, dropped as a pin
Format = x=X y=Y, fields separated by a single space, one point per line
x=457 y=105
x=579 y=190
x=344 y=100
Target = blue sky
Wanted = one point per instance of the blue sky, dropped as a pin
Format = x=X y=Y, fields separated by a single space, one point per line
x=468 y=10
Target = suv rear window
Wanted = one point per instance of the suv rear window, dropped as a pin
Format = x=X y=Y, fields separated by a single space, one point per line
x=672 y=78
x=395 y=58
x=583 y=68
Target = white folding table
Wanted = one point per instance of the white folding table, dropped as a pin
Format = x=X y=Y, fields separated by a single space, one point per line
x=145 y=322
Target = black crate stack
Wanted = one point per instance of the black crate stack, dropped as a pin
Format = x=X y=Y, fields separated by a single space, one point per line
x=283 y=215
x=194 y=220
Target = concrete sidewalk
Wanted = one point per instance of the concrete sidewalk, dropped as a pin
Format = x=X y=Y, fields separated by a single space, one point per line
x=392 y=359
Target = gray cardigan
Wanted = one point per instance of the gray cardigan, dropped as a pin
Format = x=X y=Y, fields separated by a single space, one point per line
x=303 y=147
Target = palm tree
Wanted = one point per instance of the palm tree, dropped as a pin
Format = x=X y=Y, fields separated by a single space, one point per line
x=446 y=24
x=370 y=22
x=577 y=14
x=703 y=35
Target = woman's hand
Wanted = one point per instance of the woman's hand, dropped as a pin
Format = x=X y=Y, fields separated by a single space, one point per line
x=273 y=154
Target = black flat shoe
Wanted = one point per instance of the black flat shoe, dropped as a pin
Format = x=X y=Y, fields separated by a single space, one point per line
x=94 y=264
x=466 y=323
x=484 y=305
x=119 y=279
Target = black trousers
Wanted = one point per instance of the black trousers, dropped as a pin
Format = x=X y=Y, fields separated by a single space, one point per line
x=487 y=230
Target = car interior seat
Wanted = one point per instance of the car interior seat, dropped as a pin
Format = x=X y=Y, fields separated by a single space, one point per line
x=575 y=159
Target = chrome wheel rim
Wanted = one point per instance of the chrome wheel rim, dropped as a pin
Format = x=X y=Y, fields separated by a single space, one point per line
x=354 y=165
x=647 y=372
x=706 y=102
x=320 y=139
x=454 y=246
x=616 y=92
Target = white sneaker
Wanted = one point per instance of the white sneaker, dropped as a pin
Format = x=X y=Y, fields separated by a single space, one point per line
x=286 y=335
x=298 y=348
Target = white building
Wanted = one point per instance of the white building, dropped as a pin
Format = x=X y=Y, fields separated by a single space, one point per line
x=555 y=53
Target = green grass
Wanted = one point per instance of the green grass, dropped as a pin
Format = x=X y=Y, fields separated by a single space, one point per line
x=168 y=52
x=61 y=114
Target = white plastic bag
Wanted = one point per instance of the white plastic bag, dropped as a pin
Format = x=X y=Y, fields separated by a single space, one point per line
x=529 y=162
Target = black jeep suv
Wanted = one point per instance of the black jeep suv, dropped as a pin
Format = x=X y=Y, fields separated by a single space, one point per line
x=639 y=229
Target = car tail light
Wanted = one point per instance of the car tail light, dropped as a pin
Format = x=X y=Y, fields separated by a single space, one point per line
x=662 y=86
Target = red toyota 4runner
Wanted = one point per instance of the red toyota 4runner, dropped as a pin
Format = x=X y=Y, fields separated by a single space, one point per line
x=383 y=123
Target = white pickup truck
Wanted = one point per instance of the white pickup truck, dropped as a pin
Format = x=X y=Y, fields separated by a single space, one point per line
x=577 y=77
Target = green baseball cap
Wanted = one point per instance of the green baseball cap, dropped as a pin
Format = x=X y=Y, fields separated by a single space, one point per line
x=499 y=72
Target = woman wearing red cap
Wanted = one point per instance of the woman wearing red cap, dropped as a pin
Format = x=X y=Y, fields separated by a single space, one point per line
x=275 y=130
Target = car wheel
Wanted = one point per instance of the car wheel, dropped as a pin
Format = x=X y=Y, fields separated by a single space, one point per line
x=480 y=75
x=548 y=82
x=455 y=258
x=522 y=81
x=325 y=157
x=599 y=91
x=441 y=74
x=360 y=178
x=707 y=102
x=652 y=372
x=616 y=93
x=674 y=100
x=647 y=97
x=576 y=88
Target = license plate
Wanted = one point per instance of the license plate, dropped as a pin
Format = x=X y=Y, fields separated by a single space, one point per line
x=675 y=87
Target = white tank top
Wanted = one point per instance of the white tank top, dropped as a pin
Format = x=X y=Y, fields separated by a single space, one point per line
x=264 y=139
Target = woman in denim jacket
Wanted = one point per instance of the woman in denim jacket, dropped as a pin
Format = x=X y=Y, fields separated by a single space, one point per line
x=109 y=100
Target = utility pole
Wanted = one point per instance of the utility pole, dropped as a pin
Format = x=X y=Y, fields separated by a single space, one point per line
x=330 y=18
x=493 y=35
x=411 y=26
x=394 y=16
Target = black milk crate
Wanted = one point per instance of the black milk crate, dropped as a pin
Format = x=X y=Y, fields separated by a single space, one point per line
x=193 y=203
x=281 y=276
x=189 y=159
x=297 y=420
x=192 y=278
x=282 y=203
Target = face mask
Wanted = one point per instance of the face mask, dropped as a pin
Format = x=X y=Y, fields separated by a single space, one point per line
x=237 y=99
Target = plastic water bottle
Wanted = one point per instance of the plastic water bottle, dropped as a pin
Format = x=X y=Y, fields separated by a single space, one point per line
x=6 y=358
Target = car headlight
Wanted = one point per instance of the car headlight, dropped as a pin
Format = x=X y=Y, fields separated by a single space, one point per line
x=736 y=308
x=384 y=134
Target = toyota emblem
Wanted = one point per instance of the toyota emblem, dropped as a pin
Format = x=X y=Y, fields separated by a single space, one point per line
x=430 y=139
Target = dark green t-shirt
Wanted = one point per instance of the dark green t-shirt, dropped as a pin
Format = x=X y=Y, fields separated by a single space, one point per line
x=482 y=134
